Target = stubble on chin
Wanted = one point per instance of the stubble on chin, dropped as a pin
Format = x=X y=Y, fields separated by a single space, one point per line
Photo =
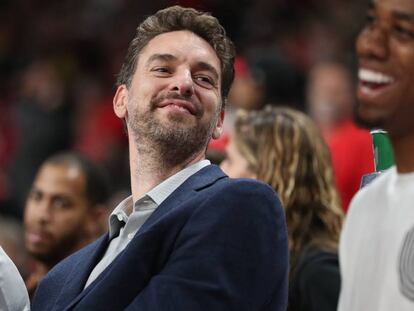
x=171 y=142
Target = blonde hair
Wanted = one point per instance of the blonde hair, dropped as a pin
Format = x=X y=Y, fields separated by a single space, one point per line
x=286 y=150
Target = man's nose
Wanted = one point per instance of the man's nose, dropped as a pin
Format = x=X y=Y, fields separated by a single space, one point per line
x=42 y=211
x=183 y=83
x=372 y=43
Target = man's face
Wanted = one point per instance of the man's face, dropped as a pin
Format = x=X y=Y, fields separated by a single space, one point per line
x=175 y=99
x=385 y=49
x=57 y=213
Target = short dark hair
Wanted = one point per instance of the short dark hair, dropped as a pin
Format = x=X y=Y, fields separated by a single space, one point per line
x=97 y=188
x=177 y=18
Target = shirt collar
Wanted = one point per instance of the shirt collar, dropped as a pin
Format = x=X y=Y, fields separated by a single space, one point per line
x=119 y=216
x=158 y=194
x=168 y=186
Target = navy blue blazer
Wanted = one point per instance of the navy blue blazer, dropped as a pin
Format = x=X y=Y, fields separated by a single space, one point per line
x=214 y=244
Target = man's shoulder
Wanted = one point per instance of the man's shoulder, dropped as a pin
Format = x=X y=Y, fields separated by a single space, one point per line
x=242 y=188
x=367 y=208
x=218 y=183
x=246 y=198
x=12 y=289
x=244 y=184
x=373 y=192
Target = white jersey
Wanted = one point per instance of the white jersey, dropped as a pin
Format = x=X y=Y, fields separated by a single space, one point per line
x=13 y=293
x=377 y=246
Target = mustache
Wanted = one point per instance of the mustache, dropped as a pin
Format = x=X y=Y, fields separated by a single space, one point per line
x=155 y=102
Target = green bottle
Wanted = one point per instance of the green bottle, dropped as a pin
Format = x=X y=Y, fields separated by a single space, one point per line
x=383 y=155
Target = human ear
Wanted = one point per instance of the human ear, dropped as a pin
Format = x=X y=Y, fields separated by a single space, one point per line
x=219 y=125
x=120 y=102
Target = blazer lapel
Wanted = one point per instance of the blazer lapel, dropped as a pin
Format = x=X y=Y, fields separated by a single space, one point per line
x=74 y=286
x=203 y=178
x=76 y=280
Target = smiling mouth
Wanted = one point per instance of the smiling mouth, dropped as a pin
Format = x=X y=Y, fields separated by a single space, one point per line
x=371 y=81
x=179 y=105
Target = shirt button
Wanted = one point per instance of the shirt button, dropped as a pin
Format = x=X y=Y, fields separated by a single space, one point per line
x=130 y=236
x=119 y=216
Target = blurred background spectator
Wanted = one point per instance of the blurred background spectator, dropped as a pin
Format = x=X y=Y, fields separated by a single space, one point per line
x=58 y=62
x=65 y=210
x=42 y=120
x=283 y=148
x=331 y=101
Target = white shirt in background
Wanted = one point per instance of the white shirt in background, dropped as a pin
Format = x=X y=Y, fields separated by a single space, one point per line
x=377 y=247
x=13 y=292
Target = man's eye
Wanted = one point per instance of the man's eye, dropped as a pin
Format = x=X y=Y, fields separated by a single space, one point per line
x=403 y=33
x=162 y=70
x=205 y=81
x=61 y=203
x=35 y=196
x=370 y=19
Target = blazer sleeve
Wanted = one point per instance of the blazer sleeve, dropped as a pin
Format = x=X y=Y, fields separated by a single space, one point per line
x=232 y=254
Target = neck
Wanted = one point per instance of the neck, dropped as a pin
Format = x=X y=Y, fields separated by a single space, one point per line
x=149 y=169
x=403 y=153
x=39 y=271
x=41 y=268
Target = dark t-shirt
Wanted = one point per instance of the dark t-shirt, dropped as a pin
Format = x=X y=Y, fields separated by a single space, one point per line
x=315 y=284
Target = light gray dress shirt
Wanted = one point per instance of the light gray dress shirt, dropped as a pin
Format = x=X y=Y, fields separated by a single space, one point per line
x=13 y=292
x=122 y=228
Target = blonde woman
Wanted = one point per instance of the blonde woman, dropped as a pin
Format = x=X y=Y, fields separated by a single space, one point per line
x=284 y=148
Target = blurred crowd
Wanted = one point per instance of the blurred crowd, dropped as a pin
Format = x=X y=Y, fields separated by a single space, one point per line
x=58 y=64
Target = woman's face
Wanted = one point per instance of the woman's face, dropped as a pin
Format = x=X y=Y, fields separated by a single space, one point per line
x=235 y=165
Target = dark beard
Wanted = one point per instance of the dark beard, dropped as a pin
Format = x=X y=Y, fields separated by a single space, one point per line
x=172 y=144
x=61 y=249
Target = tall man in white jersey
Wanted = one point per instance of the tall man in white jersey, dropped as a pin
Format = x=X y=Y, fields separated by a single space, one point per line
x=377 y=243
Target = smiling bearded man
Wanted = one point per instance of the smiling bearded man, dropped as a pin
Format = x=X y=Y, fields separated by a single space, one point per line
x=189 y=237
